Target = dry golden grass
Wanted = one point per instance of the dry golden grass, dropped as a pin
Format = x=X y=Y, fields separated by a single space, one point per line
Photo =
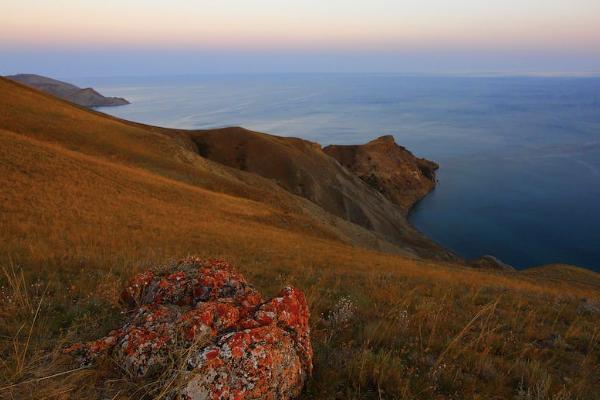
x=86 y=201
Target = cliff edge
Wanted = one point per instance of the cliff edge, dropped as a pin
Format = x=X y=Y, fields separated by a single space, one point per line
x=389 y=168
x=304 y=169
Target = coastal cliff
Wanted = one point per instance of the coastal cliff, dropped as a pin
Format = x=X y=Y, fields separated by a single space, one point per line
x=87 y=97
x=389 y=168
x=377 y=202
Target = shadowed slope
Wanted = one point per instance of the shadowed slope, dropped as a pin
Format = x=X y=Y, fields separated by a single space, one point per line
x=302 y=168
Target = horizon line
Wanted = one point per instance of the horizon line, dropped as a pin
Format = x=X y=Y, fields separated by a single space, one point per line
x=415 y=74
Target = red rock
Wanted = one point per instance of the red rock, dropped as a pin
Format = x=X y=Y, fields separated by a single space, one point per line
x=244 y=348
x=249 y=364
x=290 y=312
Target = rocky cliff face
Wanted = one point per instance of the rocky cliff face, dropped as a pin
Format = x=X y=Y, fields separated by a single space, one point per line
x=210 y=335
x=302 y=168
x=389 y=168
x=87 y=97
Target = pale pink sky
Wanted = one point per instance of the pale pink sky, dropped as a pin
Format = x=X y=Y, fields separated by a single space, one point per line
x=543 y=27
x=334 y=24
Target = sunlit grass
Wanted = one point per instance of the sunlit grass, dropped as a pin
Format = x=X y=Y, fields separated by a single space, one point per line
x=79 y=216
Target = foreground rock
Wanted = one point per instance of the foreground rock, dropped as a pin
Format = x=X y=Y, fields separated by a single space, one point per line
x=204 y=327
x=87 y=97
x=389 y=168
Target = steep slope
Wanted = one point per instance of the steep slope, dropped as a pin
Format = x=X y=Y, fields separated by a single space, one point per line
x=150 y=150
x=297 y=166
x=302 y=168
x=87 y=97
x=391 y=169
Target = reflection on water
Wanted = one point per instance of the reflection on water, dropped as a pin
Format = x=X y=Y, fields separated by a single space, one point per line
x=520 y=157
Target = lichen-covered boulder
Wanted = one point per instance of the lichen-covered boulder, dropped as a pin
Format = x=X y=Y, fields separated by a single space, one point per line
x=208 y=319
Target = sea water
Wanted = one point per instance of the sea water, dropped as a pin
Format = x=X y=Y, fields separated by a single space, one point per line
x=519 y=157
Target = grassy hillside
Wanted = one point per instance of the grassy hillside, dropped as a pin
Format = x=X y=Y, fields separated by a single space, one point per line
x=87 y=200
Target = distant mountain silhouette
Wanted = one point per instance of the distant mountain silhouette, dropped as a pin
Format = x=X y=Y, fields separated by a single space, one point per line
x=86 y=97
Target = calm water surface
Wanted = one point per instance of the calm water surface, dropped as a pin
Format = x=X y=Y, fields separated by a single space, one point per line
x=519 y=157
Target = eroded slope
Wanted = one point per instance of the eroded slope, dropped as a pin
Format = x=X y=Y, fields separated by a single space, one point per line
x=302 y=168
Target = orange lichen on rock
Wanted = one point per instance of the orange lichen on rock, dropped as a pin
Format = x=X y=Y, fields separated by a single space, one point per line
x=244 y=348
x=289 y=311
x=250 y=364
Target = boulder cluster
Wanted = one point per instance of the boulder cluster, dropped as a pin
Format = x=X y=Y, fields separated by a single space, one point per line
x=203 y=326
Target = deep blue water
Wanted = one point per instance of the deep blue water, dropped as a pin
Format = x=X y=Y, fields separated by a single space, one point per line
x=519 y=157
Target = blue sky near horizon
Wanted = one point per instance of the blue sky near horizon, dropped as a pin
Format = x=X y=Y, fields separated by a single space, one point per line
x=158 y=37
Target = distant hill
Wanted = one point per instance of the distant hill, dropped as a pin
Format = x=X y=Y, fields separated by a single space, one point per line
x=86 y=97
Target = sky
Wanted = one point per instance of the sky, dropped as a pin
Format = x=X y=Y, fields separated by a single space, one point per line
x=156 y=37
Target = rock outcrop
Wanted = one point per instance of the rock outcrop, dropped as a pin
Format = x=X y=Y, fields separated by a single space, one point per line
x=87 y=97
x=389 y=168
x=204 y=327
